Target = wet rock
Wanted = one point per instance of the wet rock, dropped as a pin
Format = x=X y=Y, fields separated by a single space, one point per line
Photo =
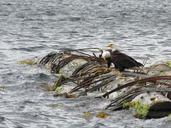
x=151 y=105
x=86 y=75
x=158 y=69
x=68 y=69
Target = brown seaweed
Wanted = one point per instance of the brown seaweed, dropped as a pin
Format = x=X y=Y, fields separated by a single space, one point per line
x=95 y=76
x=139 y=82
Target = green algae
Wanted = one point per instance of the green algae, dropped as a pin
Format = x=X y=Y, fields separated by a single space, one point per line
x=87 y=115
x=57 y=105
x=58 y=83
x=141 y=110
x=169 y=117
x=58 y=90
x=102 y=115
x=168 y=63
x=27 y=62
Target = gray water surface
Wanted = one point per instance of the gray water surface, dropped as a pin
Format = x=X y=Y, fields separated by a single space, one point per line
x=29 y=28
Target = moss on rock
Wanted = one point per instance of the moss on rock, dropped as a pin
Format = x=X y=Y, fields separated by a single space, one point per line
x=141 y=110
x=27 y=62
x=169 y=63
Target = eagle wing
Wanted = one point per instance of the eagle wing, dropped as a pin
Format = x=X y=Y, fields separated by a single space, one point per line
x=122 y=61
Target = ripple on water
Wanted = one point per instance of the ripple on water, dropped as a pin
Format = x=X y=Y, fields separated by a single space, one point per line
x=141 y=28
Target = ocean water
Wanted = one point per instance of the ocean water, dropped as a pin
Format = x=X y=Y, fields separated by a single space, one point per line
x=29 y=28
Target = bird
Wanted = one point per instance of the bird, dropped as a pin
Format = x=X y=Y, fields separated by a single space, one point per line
x=120 y=60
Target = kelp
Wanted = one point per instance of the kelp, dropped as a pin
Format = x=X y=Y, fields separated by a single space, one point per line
x=88 y=81
x=139 y=82
x=93 y=75
x=49 y=58
x=126 y=97
x=58 y=60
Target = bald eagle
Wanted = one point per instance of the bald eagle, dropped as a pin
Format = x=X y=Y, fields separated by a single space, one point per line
x=120 y=60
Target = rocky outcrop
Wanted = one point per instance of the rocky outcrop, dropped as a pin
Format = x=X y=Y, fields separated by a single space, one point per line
x=145 y=90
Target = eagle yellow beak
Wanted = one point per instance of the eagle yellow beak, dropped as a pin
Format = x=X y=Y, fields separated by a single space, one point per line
x=110 y=45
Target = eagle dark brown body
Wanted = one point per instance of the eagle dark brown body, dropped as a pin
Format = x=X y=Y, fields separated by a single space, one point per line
x=121 y=60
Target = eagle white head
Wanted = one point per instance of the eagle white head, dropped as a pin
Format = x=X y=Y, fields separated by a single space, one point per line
x=106 y=53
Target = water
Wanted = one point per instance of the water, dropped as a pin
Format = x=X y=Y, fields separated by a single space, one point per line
x=31 y=28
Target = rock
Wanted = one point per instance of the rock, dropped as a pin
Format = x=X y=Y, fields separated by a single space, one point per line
x=151 y=105
x=68 y=69
x=158 y=69
x=83 y=74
